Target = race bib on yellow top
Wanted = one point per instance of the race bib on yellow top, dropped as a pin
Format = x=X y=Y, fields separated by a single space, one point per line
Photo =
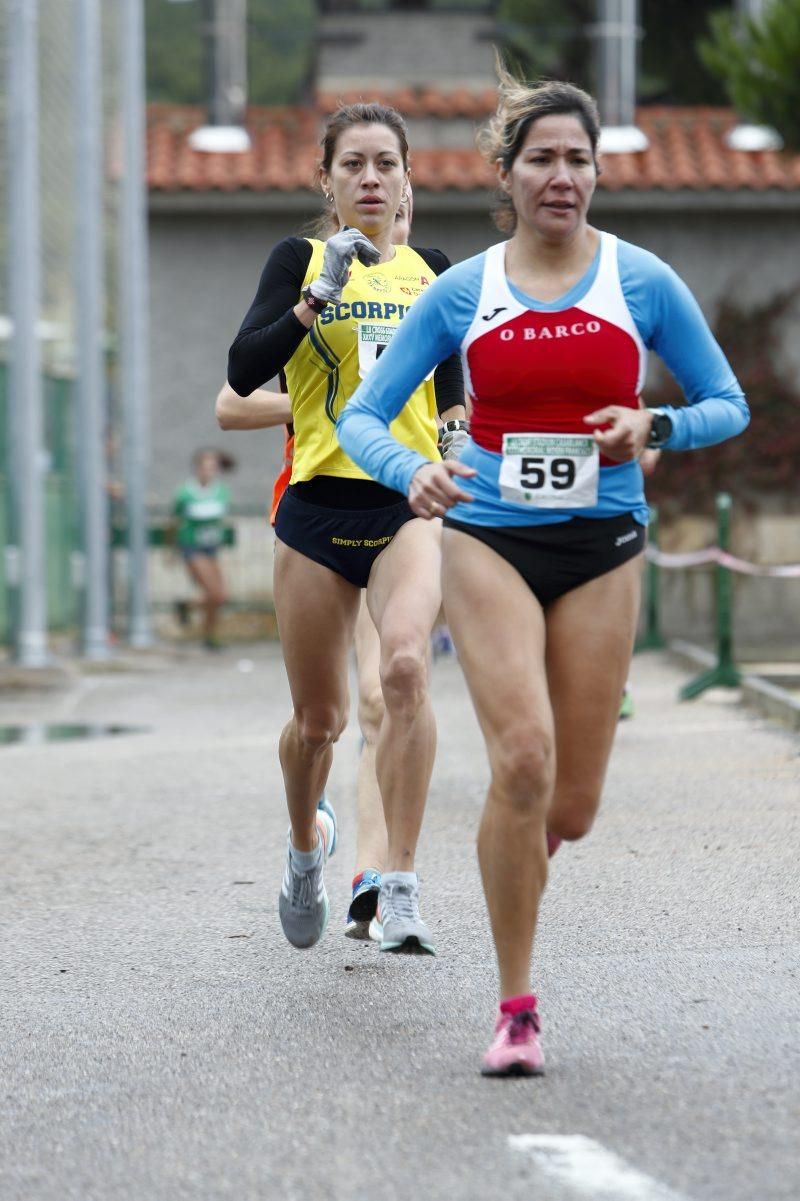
x=373 y=338
x=551 y=471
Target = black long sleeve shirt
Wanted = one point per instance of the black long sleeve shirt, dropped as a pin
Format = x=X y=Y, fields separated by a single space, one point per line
x=271 y=332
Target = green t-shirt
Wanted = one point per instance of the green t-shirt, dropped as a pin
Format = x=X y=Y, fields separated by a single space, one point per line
x=200 y=512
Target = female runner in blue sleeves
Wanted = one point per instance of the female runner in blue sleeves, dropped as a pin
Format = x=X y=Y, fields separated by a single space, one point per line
x=545 y=507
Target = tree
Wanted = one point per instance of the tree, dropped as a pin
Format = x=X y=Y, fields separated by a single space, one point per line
x=279 y=51
x=553 y=39
x=548 y=39
x=671 y=71
x=757 y=63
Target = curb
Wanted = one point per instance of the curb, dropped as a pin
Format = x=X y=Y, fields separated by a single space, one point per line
x=758 y=693
x=64 y=672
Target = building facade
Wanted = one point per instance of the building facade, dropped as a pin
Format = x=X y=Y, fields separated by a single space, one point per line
x=726 y=220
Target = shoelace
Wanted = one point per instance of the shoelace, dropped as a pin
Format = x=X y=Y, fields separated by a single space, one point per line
x=302 y=891
x=521 y=1024
x=400 y=902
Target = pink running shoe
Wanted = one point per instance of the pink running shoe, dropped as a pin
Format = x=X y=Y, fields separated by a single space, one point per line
x=515 y=1049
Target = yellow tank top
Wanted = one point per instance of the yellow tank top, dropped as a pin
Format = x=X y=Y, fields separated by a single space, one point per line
x=342 y=345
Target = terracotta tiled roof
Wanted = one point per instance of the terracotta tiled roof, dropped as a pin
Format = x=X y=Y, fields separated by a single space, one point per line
x=687 y=150
x=421 y=102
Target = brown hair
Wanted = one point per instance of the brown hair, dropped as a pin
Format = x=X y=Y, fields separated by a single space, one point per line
x=225 y=460
x=345 y=117
x=519 y=105
x=348 y=115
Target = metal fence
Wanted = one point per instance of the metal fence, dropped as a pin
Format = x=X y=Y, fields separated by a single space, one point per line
x=69 y=96
x=60 y=509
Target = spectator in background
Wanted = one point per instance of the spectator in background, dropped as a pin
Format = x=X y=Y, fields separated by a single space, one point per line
x=199 y=507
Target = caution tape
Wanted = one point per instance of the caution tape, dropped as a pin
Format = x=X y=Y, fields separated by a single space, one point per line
x=714 y=554
x=786 y=571
x=692 y=558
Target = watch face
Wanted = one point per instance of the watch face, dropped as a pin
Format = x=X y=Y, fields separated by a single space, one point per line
x=660 y=430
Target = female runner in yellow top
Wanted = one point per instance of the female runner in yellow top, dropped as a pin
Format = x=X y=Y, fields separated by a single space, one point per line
x=323 y=314
x=263 y=409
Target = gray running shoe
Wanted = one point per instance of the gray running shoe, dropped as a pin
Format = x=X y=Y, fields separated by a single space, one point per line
x=303 y=903
x=398 y=922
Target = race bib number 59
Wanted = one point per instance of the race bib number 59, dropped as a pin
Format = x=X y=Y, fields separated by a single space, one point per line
x=551 y=471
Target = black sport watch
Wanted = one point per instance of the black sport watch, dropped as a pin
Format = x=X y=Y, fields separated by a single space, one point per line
x=314 y=303
x=450 y=427
x=660 y=430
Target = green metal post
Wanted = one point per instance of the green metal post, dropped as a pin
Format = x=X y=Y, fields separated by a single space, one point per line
x=651 y=639
x=724 y=674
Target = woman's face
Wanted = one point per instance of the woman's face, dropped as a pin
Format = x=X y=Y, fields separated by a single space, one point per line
x=366 y=177
x=553 y=177
x=207 y=468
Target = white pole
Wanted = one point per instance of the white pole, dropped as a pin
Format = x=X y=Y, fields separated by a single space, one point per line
x=617 y=32
x=91 y=375
x=133 y=317
x=25 y=559
x=229 y=94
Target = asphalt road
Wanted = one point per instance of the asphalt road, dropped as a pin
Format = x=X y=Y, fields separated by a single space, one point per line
x=161 y=1041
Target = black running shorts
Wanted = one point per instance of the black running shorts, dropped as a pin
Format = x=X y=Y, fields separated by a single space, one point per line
x=346 y=540
x=554 y=559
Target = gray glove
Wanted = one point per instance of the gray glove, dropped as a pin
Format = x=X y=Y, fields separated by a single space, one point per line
x=452 y=442
x=340 y=249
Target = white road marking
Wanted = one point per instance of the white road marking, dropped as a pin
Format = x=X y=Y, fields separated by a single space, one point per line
x=589 y=1169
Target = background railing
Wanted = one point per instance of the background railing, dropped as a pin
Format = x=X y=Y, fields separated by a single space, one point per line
x=61 y=517
x=724 y=673
x=248 y=556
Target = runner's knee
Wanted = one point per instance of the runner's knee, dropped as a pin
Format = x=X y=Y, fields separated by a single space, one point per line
x=572 y=816
x=404 y=679
x=523 y=770
x=318 y=726
x=370 y=713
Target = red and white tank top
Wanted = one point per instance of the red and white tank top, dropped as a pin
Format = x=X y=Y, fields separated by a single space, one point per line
x=544 y=369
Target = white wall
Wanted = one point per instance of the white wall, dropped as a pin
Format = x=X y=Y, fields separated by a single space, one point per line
x=205 y=269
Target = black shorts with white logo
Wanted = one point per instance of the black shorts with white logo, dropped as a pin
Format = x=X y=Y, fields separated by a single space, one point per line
x=348 y=541
x=554 y=559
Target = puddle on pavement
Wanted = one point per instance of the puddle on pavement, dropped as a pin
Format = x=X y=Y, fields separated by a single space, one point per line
x=39 y=732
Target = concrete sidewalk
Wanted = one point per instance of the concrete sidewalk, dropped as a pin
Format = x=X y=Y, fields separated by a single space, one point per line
x=162 y=1041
